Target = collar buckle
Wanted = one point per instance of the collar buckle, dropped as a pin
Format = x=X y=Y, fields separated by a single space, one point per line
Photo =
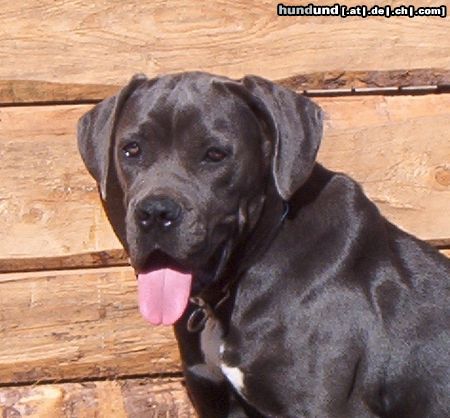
x=197 y=320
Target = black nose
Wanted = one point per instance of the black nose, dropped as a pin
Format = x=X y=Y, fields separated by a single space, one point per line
x=157 y=211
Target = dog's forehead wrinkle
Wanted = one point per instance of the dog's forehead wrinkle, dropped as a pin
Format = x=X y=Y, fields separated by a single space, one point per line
x=201 y=125
x=144 y=129
x=187 y=90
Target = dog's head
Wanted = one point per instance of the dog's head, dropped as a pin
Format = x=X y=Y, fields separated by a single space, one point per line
x=183 y=163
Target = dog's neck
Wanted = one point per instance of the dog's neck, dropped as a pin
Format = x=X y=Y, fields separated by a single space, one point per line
x=255 y=244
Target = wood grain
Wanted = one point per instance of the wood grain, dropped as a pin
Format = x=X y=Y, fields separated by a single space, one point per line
x=396 y=146
x=105 y=42
x=46 y=195
x=73 y=324
x=129 y=398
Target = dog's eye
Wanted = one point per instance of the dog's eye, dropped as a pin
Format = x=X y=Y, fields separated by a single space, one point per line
x=214 y=155
x=131 y=150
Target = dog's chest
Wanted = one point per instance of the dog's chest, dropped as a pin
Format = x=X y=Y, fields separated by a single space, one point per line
x=215 y=368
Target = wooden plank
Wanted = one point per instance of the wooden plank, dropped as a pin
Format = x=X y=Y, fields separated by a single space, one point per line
x=129 y=398
x=105 y=42
x=75 y=324
x=47 y=200
x=396 y=146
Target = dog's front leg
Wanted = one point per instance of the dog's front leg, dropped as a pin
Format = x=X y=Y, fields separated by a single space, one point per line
x=213 y=399
x=210 y=394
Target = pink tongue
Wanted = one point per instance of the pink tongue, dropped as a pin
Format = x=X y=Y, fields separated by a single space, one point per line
x=163 y=295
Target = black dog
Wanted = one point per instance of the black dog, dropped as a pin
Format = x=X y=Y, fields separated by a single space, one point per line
x=291 y=295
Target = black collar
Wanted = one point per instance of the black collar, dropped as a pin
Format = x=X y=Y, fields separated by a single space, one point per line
x=242 y=257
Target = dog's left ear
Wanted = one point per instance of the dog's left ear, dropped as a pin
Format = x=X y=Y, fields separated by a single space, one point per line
x=96 y=135
x=296 y=127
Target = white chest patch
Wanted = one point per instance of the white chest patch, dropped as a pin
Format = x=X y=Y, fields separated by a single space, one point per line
x=234 y=375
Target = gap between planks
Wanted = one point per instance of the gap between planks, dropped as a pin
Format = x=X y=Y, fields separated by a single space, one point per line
x=17 y=93
x=97 y=260
x=86 y=379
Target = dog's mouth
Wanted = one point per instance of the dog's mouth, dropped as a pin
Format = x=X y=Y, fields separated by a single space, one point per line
x=165 y=284
x=158 y=259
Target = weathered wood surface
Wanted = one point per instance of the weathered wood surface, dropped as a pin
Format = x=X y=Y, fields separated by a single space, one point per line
x=397 y=147
x=129 y=398
x=74 y=324
x=105 y=42
x=48 y=204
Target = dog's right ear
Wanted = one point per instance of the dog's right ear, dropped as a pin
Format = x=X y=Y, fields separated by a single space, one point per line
x=96 y=134
x=295 y=125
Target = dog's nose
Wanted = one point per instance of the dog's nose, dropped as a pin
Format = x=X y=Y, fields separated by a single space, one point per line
x=161 y=211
